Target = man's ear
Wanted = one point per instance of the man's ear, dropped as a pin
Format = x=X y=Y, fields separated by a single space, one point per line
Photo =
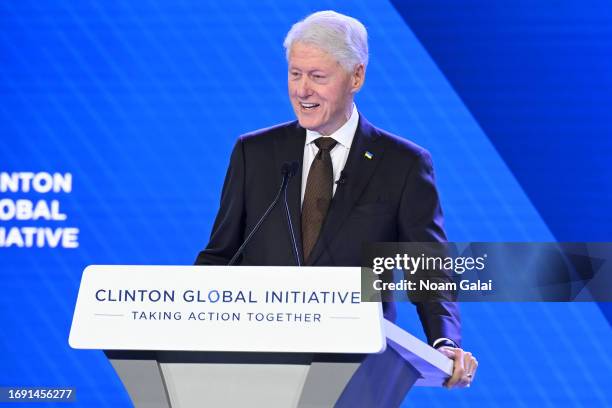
x=357 y=78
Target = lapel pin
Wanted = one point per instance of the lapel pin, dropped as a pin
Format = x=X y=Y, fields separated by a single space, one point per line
x=369 y=155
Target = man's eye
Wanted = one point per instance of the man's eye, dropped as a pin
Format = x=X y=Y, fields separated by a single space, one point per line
x=316 y=76
x=295 y=74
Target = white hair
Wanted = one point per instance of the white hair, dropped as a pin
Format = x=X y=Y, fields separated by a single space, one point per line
x=344 y=38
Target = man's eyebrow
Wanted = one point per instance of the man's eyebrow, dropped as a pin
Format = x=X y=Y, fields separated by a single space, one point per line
x=308 y=71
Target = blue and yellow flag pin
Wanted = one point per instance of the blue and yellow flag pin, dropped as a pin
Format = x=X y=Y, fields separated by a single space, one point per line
x=369 y=155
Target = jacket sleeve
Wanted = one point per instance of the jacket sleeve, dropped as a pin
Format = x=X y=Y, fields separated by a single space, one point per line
x=421 y=220
x=228 y=230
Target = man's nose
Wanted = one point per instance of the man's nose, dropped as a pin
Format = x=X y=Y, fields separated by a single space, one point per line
x=303 y=89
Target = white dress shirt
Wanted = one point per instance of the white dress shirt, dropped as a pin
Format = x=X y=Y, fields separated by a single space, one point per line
x=344 y=136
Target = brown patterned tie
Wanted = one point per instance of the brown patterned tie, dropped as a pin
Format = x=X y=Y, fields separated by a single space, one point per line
x=318 y=194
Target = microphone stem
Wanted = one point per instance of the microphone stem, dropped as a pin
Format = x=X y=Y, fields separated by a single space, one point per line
x=294 y=246
x=261 y=220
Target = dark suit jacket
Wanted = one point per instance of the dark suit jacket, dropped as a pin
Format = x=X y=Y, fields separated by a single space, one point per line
x=390 y=197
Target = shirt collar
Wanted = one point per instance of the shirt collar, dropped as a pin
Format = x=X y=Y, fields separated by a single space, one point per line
x=344 y=135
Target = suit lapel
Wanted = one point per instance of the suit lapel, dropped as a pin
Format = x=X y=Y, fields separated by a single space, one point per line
x=289 y=147
x=362 y=160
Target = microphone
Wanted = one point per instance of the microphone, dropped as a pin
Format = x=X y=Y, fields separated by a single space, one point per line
x=288 y=170
x=293 y=169
x=342 y=178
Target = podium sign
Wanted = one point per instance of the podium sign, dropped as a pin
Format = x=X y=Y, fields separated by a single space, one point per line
x=219 y=308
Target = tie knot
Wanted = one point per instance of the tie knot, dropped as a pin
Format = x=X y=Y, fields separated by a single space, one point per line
x=325 y=143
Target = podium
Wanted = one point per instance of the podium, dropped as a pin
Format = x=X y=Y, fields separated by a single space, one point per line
x=201 y=336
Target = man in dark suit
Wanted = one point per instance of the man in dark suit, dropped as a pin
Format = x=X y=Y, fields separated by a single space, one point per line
x=355 y=183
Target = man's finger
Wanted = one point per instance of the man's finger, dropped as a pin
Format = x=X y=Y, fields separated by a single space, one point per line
x=468 y=363
x=474 y=368
x=471 y=364
x=458 y=369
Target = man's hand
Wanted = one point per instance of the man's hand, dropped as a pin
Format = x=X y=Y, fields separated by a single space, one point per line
x=464 y=368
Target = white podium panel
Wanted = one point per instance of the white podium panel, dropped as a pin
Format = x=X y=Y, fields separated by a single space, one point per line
x=219 y=308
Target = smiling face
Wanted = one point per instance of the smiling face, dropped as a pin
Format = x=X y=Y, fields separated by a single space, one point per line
x=320 y=89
